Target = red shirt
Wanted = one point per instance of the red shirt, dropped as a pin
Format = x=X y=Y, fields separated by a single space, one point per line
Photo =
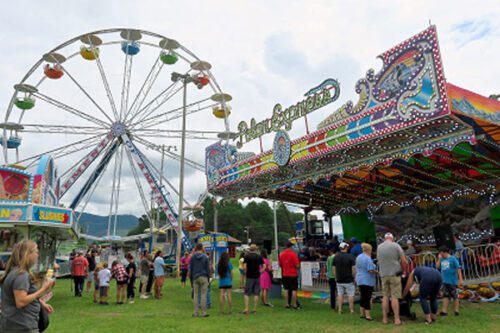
x=289 y=261
x=79 y=266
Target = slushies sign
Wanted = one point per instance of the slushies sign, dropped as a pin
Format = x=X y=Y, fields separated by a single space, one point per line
x=316 y=98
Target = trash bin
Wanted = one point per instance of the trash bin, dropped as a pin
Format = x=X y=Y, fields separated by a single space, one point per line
x=275 y=292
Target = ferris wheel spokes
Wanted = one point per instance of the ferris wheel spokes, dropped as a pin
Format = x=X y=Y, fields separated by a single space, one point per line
x=171 y=134
x=160 y=99
x=127 y=73
x=70 y=109
x=117 y=199
x=152 y=146
x=62 y=149
x=63 y=129
x=174 y=114
x=145 y=88
x=63 y=68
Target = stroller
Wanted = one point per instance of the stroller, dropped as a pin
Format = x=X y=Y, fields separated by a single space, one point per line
x=406 y=302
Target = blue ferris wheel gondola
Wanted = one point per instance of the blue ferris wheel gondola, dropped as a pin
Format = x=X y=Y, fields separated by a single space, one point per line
x=130 y=48
x=12 y=143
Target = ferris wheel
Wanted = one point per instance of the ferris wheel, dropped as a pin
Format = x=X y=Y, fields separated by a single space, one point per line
x=108 y=106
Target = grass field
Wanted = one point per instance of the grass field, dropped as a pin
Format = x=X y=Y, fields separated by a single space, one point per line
x=173 y=314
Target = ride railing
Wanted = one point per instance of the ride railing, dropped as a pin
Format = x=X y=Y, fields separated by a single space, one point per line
x=480 y=263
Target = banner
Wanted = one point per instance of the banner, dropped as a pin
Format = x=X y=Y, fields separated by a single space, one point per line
x=13 y=213
x=59 y=216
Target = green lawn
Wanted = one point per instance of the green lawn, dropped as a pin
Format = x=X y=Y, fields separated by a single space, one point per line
x=173 y=314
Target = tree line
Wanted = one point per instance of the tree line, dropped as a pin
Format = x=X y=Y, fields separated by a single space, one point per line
x=234 y=218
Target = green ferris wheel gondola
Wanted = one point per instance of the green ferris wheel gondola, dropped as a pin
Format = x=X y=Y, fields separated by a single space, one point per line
x=169 y=58
x=25 y=103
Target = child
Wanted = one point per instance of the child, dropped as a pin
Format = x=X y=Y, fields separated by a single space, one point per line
x=120 y=274
x=450 y=270
x=104 y=276
x=224 y=268
x=241 y=266
x=265 y=279
x=96 y=281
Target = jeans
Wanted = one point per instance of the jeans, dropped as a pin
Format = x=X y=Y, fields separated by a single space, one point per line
x=79 y=282
x=333 y=292
x=130 y=288
x=200 y=288
x=431 y=291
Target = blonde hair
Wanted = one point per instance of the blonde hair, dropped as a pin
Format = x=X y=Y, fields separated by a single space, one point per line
x=19 y=260
x=366 y=247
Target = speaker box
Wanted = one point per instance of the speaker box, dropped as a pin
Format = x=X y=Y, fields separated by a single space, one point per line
x=444 y=236
x=268 y=244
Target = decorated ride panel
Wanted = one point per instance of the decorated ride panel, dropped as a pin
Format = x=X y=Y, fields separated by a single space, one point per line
x=402 y=110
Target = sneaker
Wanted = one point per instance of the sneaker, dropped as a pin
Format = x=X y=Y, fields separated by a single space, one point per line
x=131 y=302
x=143 y=297
x=443 y=313
x=457 y=313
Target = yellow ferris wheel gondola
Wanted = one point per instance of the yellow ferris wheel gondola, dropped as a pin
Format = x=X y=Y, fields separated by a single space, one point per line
x=89 y=53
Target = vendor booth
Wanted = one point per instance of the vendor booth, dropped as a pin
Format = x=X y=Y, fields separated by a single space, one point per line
x=29 y=210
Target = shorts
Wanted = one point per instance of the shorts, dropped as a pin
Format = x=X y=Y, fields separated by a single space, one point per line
x=345 y=289
x=252 y=287
x=90 y=277
x=290 y=283
x=96 y=286
x=159 y=280
x=121 y=283
x=242 y=272
x=450 y=291
x=103 y=291
x=225 y=287
x=391 y=287
x=144 y=279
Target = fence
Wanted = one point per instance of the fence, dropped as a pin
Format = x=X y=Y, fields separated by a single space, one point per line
x=480 y=263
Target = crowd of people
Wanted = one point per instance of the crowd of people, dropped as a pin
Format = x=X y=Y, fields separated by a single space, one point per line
x=348 y=267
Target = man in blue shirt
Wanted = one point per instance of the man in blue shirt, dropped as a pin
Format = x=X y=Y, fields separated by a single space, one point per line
x=452 y=275
x=356 y=249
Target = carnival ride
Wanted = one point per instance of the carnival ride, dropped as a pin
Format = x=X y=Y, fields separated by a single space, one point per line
x=411 y=139
x=66 y=107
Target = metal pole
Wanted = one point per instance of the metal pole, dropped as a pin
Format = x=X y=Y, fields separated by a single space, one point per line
x=275 y=228
x=161 y=181
x=181 y=180
x=216 y=222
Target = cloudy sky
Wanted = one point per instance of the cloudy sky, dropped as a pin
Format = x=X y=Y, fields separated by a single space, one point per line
x=262 y=52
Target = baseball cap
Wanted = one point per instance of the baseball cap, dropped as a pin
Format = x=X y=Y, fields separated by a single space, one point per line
x=389 y=235
x=354 y=240
x=343 y=245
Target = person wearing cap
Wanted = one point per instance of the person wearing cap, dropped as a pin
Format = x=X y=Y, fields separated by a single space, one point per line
x=344 y=269
x=410 y=248
x=289 y=263
x=79 y=269
x=356 y=249
x=392 y=263
x=253 y=267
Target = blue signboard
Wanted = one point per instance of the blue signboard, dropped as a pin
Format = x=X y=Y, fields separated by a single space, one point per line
x=59 y=216
x=13 y=213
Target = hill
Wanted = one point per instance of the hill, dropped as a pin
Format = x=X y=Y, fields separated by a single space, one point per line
x=97 y=225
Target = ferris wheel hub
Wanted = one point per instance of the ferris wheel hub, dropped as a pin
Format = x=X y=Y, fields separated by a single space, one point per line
x=118 y=128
